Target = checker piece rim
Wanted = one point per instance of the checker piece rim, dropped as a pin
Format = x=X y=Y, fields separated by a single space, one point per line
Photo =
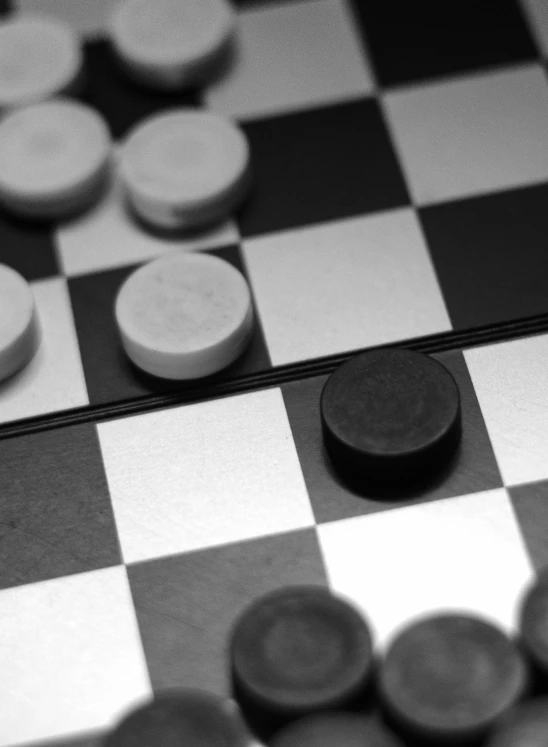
x=451 y=674
x=301 y=649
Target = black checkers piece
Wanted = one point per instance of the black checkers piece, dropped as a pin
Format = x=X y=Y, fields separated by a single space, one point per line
x=192 y=718
x=336 y=729
x=390 y=416
x=533 y=627
x=525 y=726
x=450 y=677
x=299 y=650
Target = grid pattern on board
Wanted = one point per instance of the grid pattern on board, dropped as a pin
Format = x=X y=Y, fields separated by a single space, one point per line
x=129 y=547
x=424 y=171
x=144 y=537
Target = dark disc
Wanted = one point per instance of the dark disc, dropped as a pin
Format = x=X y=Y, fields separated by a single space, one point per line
x=300 y=649
x=533 y=623
x=336 y=729
x=390 y=415
x=451 y=676
x=182 y=717
x=525 y=726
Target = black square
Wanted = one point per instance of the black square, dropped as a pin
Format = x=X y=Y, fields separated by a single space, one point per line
x=186 y=605
x=427 y=39
x=121 y=102
x=109 y=374
x=490 y=255
x=56 y=514
x=474 y=468
x=530 y=503
x=320 y=165
x=28 y=247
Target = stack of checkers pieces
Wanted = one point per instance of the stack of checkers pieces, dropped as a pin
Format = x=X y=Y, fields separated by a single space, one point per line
x=183 y=169
x=305 y=673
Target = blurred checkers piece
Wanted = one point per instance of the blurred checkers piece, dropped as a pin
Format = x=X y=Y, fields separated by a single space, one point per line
x=525 y=726
x=182 y=718
x=299 y=650
x=54 y=158
x=185 y=169
x=336 y=729
x=169 y=44
x=184 y=316
x=19 y=329
x=390 y=416
x=533 y=626
x=450 y=677
x=39 y=57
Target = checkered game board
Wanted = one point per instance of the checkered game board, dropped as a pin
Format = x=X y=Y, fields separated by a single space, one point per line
x=400 y=197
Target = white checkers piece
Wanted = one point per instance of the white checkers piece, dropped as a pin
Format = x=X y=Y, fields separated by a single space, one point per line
x=19 y=330
x=54 y=157
x=39 y=58
x=184 y=316
x=171 y=44
x=185 y=169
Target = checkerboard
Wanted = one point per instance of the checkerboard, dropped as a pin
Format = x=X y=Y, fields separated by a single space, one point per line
x=400 y=190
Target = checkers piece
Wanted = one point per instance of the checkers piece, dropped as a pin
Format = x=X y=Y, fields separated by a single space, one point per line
x=171 y=44
x=336 y=729
x=19 y=331
x=533 y=623
x=525 y=726
x=39 y=58
x=449 y=677
x=187 y=717
x=54 y=158
x=298 y=650
x=185 y=169
x=390 y=415
x=184 y=316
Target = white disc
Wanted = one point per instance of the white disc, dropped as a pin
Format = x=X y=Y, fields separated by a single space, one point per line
x=185 y=168
x=171 y=43
x=19 y=333
x=53 y=155
x=184 y=316
x=39 y=58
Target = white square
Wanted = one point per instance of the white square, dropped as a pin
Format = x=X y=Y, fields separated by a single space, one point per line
x=279 y=65
x=512 y=389
x=344 y=285
x=88 y=17
x=460 y=554
x=202 y=475
x=472 y=135
x=54 y=378
x=537 y=12
x=72 y=659
x=106 y=237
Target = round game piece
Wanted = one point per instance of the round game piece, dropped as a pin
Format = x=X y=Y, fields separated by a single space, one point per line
x=390 y=415
x=187 y=717
x=185 y=168
x=336 y=729
x=54 y=156
x=450 y=677
x=171 y=44
x=184 y=316
x=533 y=623
x=39 y=57
x=19 y=332
x=525 y=726
x=298 y=650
